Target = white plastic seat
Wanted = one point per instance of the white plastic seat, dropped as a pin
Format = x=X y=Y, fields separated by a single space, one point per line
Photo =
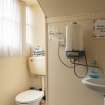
x=29 y=97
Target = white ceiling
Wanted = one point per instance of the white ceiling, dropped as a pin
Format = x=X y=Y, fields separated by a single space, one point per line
x=54 y=8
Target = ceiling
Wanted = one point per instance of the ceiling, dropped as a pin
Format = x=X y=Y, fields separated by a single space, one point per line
x=54 y=8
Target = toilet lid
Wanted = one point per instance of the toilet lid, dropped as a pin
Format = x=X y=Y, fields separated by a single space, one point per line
x=29 y=96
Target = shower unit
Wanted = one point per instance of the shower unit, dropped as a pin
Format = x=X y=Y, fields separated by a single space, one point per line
x=74 y=46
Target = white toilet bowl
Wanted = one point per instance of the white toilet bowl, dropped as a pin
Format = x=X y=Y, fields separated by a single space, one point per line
x=29 y=97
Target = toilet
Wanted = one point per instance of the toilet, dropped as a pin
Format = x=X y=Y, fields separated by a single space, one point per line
x=29 y=97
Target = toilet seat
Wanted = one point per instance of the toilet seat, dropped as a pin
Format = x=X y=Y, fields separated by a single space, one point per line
x=29 y=96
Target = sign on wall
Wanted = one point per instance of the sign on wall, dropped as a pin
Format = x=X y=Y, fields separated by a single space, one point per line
x=99 y=27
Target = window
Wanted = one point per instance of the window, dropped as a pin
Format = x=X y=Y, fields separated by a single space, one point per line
x=29 y=26
x=13 y=34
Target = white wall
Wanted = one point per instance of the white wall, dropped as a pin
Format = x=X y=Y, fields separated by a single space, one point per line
x=63 y=87
x=14 y=78
x=38 y=27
